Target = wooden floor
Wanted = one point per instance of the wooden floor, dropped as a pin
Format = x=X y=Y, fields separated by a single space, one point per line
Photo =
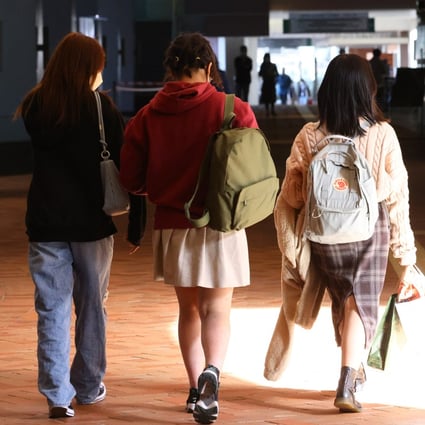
x=146 y=382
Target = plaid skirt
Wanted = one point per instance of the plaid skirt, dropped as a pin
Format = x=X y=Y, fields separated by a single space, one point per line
x=356 y=268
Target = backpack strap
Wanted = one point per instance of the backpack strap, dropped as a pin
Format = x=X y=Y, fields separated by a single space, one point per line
x=228 y=117
x=205 y=217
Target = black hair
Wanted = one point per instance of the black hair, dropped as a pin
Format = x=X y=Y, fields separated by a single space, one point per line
x=346 y=94
x=188 y=52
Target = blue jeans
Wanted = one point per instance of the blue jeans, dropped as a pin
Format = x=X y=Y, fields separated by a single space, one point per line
x=64 y=272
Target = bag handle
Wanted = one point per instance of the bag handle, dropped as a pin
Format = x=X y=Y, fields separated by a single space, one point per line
x=105 y=154
x=228 y=117
x=330 y=137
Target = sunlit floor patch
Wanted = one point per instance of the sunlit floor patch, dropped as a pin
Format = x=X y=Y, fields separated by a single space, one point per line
x=315 y=360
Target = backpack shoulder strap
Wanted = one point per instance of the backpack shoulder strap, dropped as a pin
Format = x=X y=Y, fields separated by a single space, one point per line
x=228 y=115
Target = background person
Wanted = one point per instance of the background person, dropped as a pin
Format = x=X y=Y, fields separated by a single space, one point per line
x=303 y=92
x=164 y=147
x=243 y=68
x=285 y=85
x=269 y=74
x=380 y=72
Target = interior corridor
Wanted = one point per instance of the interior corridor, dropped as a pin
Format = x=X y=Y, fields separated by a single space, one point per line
x=146 y=382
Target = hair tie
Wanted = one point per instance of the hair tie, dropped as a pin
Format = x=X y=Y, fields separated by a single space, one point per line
x=177 y=58
x=197 y=58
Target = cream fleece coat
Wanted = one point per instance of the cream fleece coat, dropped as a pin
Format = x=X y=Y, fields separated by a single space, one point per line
x=302 y=290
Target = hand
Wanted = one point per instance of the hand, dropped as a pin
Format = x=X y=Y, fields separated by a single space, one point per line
x=133 y=249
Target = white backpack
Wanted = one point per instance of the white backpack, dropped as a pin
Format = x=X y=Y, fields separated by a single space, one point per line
x=341 y=203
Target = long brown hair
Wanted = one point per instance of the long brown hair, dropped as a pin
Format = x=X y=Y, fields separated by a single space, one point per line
x=66 y=81
x=188 y=52
x=348 y=93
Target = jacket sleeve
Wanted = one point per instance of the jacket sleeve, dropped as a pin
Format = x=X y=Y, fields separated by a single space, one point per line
x=136 y=219
x=402 y=240
x=134 y=156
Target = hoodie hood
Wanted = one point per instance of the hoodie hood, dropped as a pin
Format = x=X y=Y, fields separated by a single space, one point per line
x=177 y=96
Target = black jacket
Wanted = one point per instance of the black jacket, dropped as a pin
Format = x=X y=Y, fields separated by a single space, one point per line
x=65 y=198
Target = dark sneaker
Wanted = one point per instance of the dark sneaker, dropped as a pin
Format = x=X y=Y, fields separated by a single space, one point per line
x=206 y=408
x=191 y=400
x=61 y=411
x=100 y=395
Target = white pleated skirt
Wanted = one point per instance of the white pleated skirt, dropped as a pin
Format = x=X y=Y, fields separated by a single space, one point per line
x=201 y=257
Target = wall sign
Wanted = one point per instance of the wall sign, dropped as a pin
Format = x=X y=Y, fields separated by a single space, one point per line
x=328 y=22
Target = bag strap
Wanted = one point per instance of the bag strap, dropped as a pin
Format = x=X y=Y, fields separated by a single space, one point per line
x=105 y=154
x=228 y=117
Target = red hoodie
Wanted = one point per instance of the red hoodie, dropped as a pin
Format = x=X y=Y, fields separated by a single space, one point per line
x=165 y=143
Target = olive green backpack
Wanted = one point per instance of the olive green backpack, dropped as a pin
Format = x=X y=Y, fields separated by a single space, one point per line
x=241 y=176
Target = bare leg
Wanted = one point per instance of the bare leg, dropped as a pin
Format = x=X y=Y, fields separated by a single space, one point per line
x=352 y=346
x=204 y=332
x=189 y=331
x=214 y=310
x=352 y=336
